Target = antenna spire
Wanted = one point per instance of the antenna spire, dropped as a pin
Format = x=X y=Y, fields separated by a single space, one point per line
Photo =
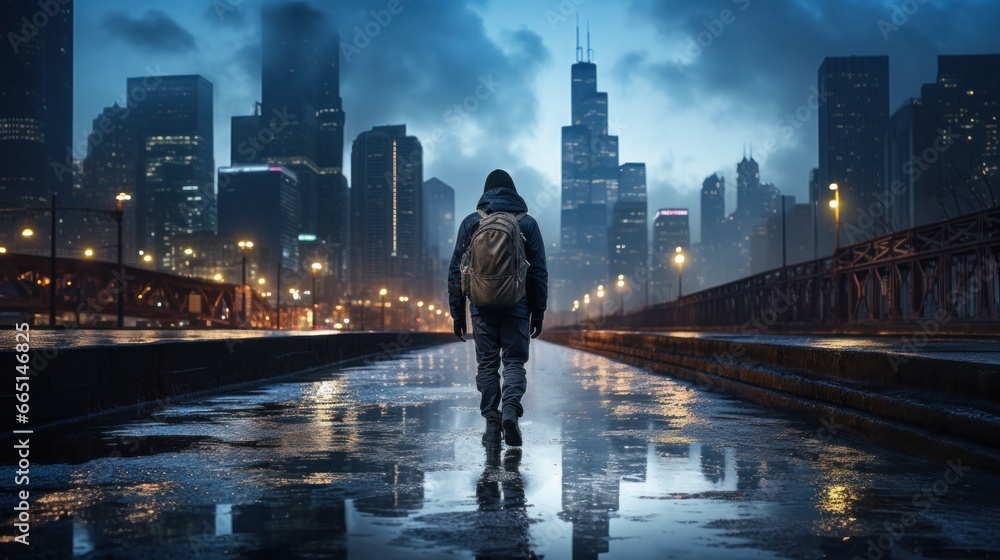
x=590 y=51
x=579 y=49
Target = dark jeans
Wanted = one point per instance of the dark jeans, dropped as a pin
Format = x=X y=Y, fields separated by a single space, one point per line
x=500 y=338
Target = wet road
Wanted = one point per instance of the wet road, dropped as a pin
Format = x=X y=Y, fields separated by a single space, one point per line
x=384 y=460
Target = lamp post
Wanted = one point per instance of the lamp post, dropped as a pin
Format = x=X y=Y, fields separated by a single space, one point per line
x=835 y=204
x=277 y=324
x=244 y=247
x=679 y=259
x=404 y=308
x=316 y=267
x=119 y=215
x=382 y=293
x=621 y=294
x=600 y=300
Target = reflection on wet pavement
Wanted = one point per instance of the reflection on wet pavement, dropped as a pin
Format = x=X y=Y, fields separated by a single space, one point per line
x=384 y=461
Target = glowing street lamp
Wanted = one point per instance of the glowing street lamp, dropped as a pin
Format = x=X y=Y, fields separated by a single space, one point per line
x=835 y=204
x=316 y=267
x=679 y=259
x=382 y=293
x=88 y=252
x=621 y=293
x=244 y=247
x=27 y=232
x=600 y=299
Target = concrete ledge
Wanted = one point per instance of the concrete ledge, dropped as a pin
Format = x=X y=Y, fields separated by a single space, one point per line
x=77 y=382
x=941 y=411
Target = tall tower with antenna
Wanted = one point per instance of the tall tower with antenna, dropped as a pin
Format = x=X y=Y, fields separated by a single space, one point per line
x=589 y=176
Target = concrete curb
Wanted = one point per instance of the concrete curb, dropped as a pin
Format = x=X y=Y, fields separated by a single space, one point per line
x=938 y=416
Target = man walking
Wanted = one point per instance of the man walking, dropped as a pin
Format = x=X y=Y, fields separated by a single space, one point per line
x=501 y=325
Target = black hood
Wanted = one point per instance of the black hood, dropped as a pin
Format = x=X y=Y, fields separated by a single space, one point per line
x=501 y=200
x=498 y=179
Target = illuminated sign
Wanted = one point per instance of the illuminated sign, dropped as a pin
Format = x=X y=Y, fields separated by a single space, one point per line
x=674 y=212
x=307 y=237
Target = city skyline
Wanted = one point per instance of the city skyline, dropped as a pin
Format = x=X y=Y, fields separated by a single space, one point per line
x=513 y=68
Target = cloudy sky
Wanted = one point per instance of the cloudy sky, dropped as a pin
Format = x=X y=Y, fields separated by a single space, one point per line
x=690 y=83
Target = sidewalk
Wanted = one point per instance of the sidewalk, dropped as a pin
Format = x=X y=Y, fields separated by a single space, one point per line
x=916 y=402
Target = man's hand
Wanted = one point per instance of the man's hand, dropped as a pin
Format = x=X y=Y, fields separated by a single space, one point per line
x=460 y=329
x=536 y=328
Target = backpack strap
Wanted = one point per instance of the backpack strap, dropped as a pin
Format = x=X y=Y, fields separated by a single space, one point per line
x=481 y=213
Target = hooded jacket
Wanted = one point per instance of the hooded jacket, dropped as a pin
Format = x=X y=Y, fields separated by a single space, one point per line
x=501 y=196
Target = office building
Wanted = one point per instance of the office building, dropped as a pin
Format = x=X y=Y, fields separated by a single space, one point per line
x=628 y=236
x=589 y=185
x=302 y=113
x=36 y=112
x=260 y=203
x=386 y=212
x=713 y=210
x=176 y=164
x=944 y=148
x=853 y=123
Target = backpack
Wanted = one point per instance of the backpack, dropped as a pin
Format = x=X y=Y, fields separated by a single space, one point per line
x=494 y=267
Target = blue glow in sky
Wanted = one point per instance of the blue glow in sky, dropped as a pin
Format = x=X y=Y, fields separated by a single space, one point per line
x=689 y=83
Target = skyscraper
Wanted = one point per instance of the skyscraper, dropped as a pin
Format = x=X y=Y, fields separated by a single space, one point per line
x=589 y=182
x=671 y=229
x=439 y=229
x=175 y=186
x=260 y=203
x=628 y=236
x=111 y=167
x=944 y=154
x=36 y=112
x=299 y=123
x=386 y=212
x=439 y=218
x=713 y=209
x=853 y=121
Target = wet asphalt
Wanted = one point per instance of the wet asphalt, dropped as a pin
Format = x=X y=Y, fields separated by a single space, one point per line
x=384 y=460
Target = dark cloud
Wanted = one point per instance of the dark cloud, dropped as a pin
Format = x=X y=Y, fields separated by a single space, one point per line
x=758 y=61
x=232 y=13
x=153 y=32
x=433 y=67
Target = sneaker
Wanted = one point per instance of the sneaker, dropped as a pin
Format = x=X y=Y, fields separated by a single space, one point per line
x=491 y=437
x=511 y=432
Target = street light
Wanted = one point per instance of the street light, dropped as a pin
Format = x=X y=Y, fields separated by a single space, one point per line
x=835 y=204
x=621 y=293
x=600 y=300
x=27 y=232
x=316 y=267
x=404 y=300
x=88 y=253
x=244 y=247
x=382 y=293
x=679 y=259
